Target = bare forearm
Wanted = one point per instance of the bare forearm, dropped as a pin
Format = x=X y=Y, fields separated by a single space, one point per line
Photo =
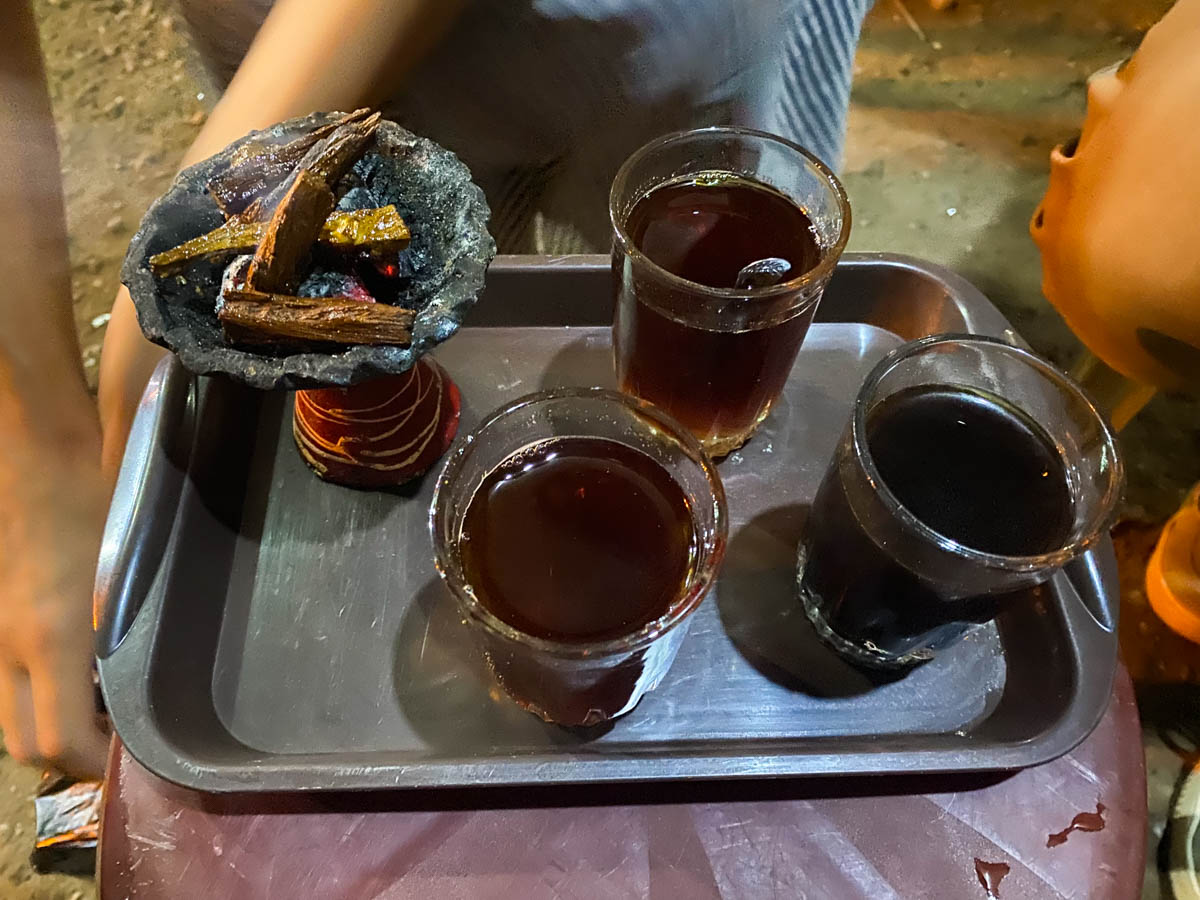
x=41 y=380
x=321 y=56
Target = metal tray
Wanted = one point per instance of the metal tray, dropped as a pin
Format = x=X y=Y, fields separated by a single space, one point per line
x=286 y=634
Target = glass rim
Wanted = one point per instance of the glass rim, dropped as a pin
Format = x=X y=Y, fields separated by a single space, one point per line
x=1056 y=558
x=822 y=270
x=450 y=570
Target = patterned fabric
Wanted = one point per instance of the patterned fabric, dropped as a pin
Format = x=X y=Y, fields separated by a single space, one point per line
x=543 y=99
x=813 y=87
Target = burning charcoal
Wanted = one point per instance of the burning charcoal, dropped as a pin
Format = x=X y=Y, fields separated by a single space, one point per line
x=405 y=270
x=323 y=283
x=356 y=198
x=233 y=279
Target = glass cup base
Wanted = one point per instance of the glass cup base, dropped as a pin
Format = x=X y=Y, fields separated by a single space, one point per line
x=861 y=654
x=719 y=447
x=581 y=698
x=568 y=711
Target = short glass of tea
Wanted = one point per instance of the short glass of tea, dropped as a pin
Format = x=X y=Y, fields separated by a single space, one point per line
x=578 y=529
x=690 y=212
x=970 y=471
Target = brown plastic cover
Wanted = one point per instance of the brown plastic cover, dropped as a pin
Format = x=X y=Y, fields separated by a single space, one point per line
x=861 y=838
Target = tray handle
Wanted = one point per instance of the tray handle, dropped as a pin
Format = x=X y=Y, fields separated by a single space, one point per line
x=142 y=513
x=1093 y=576
x=1094 y=581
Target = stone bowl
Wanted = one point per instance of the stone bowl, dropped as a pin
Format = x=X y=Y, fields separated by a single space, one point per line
x=447 y=258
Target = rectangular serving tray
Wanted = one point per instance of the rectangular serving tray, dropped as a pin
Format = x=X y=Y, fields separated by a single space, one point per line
x=263 y=630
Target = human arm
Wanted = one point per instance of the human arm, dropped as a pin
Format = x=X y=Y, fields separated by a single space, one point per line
x=52 y=496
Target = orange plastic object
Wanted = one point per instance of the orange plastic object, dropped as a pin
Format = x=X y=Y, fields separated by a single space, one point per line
x=1117 y=227
x=1173 y=575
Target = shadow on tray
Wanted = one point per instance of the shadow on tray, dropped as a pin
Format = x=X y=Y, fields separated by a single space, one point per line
x=756 y=598
x=448 y=694
x=585 y=362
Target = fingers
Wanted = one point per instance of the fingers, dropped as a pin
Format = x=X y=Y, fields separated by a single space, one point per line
x=65 y=718
x=85 y=757
x=51 y=719
x=16 y=713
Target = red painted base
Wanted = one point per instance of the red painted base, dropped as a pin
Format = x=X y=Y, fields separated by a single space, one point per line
x=380 y=433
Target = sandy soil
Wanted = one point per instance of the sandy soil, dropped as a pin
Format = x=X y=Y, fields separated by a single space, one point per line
x=128 y=100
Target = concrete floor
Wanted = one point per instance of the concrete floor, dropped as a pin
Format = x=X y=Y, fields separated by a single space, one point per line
x=949 y=133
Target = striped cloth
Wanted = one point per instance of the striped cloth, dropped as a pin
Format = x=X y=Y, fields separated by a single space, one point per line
x=544 y=98
x=813 y=83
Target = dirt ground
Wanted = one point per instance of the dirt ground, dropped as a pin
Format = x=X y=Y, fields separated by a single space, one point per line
x=954 y=114
x=128 y=101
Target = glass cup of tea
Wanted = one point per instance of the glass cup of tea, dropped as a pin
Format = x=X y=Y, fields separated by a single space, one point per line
x=970 y=471
x=578 y=529
x=690 y=212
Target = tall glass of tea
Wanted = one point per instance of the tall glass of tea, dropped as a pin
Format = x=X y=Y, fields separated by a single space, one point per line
x=970 y=471
x=690 y=212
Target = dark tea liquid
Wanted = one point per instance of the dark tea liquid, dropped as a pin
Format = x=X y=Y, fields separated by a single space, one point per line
x=708 y=229
x=718 y=378
x=578 y=539
x=972 y=468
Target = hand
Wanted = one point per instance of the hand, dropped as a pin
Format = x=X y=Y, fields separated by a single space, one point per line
x=54 y=502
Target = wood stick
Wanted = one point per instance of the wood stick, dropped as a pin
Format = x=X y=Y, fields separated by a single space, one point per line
x=251 y=317
x=328 y=160
x=261 y=166
x=378 y=231
x=295 y=149
x=910 y=21
x=307 y=203
x=289 y=236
